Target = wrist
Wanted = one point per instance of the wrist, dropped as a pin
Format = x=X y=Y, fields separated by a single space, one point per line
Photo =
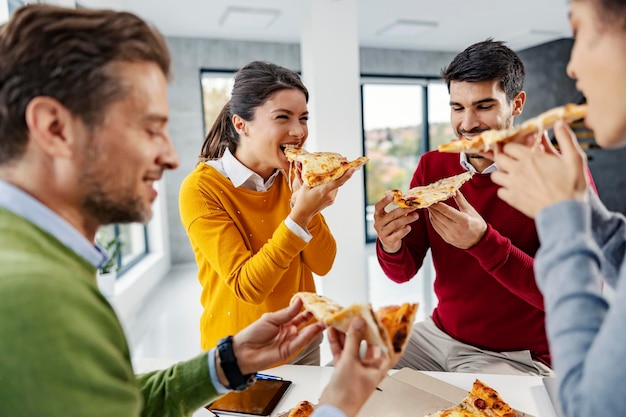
x=229 y=366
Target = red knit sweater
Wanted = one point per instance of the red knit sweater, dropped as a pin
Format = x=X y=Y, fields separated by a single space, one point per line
x=487 y=294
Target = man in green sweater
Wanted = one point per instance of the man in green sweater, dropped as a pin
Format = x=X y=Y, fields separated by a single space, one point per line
x=83 y=138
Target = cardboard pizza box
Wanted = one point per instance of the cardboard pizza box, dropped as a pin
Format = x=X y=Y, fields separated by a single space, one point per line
x=396 y=398
x=436 y=388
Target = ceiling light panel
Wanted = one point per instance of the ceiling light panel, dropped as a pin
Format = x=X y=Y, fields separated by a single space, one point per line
x=406 y=28
x=242 y=17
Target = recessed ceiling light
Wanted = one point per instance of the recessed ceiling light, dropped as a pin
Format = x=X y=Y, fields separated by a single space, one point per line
x=406 y=28
x=242 y=17
x=533 y=37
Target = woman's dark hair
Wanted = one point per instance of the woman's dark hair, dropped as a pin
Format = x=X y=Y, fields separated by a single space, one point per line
x=70 y=55
x=486 y=61
x=254 y=84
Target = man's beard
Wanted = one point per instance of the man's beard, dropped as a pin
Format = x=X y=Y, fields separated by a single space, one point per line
x=110 y=203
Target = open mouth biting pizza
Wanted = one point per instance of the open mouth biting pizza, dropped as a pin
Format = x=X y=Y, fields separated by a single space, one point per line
x=489 y=138
x=388 y=328
x=427 y=195
x=482 y=401
x=318 y=168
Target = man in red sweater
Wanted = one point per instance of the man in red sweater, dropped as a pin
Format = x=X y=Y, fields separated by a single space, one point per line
x=490 y=314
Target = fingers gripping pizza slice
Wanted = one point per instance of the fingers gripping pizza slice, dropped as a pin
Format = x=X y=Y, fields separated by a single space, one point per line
x=482 y=401
x=318 y=168
x=427 y=195
x=388 y=328
x=488 y=139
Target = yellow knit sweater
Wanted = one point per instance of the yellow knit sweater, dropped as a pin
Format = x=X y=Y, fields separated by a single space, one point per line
x=249 y=262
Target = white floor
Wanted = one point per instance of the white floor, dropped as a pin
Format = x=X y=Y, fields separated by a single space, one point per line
x=167 y=326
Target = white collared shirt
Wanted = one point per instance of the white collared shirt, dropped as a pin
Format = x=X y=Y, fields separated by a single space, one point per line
x=465 y=163
x=25 y=205
x=242 y=176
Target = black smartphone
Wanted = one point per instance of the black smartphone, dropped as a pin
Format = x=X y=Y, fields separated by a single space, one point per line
x=260 y=399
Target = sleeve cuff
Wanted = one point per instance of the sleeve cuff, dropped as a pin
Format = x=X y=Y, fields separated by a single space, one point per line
x=221 y=389
x=327 y=410
x=297 y=230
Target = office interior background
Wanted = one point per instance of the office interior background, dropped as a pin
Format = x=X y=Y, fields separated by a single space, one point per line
x=372 y=69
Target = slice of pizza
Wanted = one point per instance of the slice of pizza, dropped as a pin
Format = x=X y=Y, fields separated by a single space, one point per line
x=388 y=328
x=302 y=409
x=488 y=139
x=375 y=333
x=318 y=168
x=482 y=401
x=426 y=195
x=323 y=308
x=398 y=323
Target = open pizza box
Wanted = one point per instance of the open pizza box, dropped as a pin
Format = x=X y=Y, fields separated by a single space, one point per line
x=409 y=393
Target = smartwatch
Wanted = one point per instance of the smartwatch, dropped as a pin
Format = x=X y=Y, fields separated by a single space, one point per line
x=236 y=380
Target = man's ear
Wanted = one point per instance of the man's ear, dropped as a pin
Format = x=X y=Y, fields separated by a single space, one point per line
x=518 y=103
x=50 y=126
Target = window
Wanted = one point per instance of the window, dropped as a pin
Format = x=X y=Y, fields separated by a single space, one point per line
x=395 y=134
x=133 y=238
x=216 y=89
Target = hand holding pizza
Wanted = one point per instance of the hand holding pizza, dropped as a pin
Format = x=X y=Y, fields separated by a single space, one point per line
x=354 y=377
x=274 y=338
x=462 y=228
x=533 y=179
x=391 y=227
x=307 y=201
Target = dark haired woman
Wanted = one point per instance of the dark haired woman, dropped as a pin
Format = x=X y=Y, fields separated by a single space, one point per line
x=256 y=242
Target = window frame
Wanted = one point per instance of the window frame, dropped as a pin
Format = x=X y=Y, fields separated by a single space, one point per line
x=424 y=82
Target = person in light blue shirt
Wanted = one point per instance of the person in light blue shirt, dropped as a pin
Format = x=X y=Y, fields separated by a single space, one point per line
x=583 y=245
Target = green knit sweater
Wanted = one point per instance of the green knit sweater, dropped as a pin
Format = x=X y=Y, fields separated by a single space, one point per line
x=62 y=349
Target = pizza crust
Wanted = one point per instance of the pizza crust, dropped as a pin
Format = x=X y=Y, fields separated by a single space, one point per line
x=488 y=139
x=317 y=168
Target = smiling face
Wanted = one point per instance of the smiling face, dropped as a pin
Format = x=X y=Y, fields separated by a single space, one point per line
x=598 y=63
x=479 y=106
x=122 y=157
x=281 y=121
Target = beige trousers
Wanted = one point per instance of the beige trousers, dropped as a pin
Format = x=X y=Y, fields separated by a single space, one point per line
x=430 y=349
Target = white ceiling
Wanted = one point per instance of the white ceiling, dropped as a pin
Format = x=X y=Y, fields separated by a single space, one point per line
x=521 y=24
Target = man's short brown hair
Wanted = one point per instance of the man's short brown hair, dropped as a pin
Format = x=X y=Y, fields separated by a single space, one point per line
x=69 y=55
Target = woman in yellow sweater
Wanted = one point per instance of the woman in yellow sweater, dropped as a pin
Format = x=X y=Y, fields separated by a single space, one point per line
x=256 y=242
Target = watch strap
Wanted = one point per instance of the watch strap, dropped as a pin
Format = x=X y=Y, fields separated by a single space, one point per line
x=236 y=380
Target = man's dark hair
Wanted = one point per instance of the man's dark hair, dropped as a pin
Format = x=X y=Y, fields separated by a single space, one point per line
x=73 y=56
x=486 y=61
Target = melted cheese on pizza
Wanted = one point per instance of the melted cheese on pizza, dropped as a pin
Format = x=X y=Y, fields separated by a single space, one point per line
x=426 y=195
x=318 y=168
x=482 y=401
x=397 y=320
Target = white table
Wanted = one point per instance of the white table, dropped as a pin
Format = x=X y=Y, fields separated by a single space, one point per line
x=524 y=393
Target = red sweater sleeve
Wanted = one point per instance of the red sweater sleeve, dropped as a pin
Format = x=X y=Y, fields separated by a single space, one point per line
x=509 y=265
